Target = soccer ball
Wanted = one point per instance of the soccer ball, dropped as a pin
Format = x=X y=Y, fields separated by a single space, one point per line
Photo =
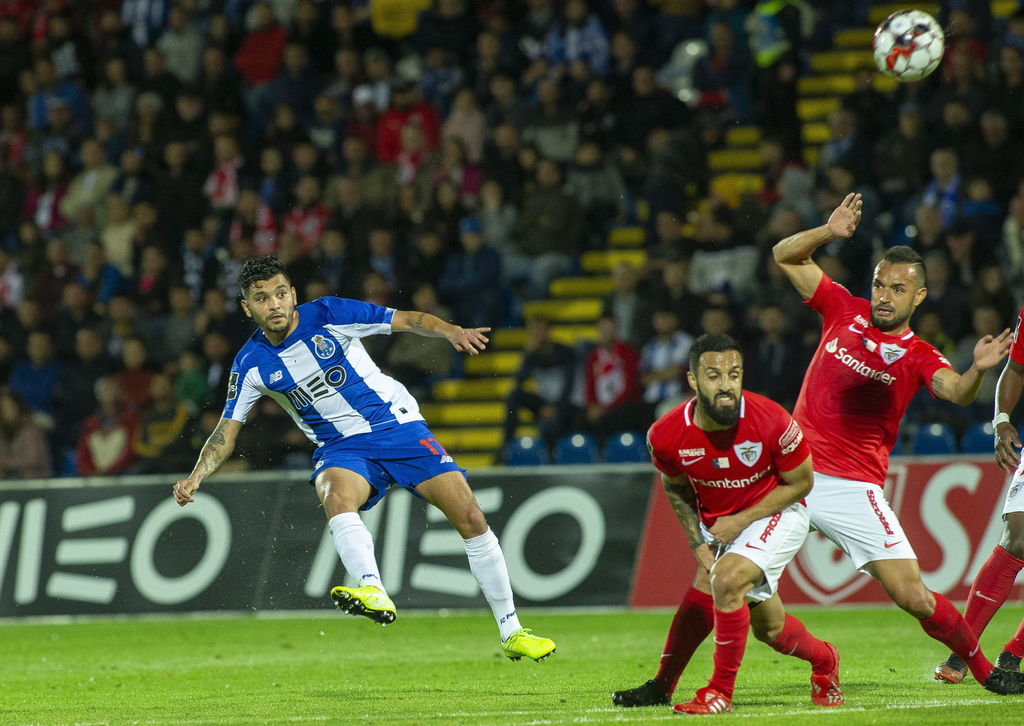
x=908 y=45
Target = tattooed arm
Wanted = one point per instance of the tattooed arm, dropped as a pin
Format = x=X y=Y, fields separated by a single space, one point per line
x=464 y=340
x=963 y=388
x=684 y=504
x=215 y=452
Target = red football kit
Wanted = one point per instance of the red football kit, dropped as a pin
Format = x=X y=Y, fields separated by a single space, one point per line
x=858 y=386
x=1017 y=349
x=733 y=469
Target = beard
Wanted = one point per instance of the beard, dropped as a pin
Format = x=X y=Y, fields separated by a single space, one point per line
x=891 y=324
x=721 y=415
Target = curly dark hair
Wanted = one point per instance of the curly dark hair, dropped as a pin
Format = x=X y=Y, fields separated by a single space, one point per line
x=711 y=343
x=260 y=268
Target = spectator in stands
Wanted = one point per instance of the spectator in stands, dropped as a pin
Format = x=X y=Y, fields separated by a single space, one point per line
x=901 y=158
x=552 y=367
x=723 y=260
x=407 y=108
x=553 y=128
x=548 y=232
x=724 y=76
x=776 y=360
x=419 y=363
x=1011 y=249
x=470 y=282
x=597 y=187
x=614 y=398
x=985 y=320
x=89 y=187
x=259 y=59
x=466 y=122
x=217 y=364
x=161 y=442
x=135 y=374
x=775 y=41
x=945 y=188
x=308 y=218
x=105 y=445
x=663 y=361
x=24 y=451
x=579 y=39
x=630 y=309
x=673 y=291
x=35 y=378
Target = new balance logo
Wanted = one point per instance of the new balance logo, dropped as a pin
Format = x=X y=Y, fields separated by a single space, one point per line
x=276 y=376
x=447 y=459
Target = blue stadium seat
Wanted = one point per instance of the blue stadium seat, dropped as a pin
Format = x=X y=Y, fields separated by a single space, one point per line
x=933 y=438
x=525 y=451
x=625 y=447
x=979 y=438
x=576 y=449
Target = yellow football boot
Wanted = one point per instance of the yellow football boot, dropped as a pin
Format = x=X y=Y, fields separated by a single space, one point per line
x=524 y=643
x=368 y=600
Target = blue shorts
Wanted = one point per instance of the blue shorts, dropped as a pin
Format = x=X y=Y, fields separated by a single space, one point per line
x=406 y=455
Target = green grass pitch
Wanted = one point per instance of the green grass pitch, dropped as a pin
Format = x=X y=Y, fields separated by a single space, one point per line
x=433 y=669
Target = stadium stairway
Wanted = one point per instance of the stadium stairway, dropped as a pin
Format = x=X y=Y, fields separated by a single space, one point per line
x=467 y=414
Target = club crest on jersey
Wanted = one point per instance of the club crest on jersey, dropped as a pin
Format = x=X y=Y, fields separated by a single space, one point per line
x=323 y=347
x=748 y=451
x=891 y=352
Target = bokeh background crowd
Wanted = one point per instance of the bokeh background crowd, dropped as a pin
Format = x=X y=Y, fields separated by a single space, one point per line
x=461 y=157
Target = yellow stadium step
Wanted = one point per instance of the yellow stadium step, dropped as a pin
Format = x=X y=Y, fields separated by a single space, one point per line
x=597 y=261
x=734 y=160
x=742 y=136
x=816 y=133
x=814 y=109
x=468 y=414
x=1004 y=8
x=627 y=237
x=477 y=460
x=472 y=389
x=581 y=286
x=503 y=363
x=854 y=38
x=812 y=154
x=839 y=61
x=833 y=84
x=643 y=210
x=515 y=338
x=477 y=438
x=880 y=12
x=731 y=188
x=564 y=310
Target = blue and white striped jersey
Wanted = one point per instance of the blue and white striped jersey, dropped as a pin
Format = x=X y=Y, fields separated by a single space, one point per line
x=322 y=375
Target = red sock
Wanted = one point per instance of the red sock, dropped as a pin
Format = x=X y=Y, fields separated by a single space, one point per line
x=795 y=640
x=692 y=624
x=991 y=588
x=948 y=627
x=1016 y=644
x=730 y=642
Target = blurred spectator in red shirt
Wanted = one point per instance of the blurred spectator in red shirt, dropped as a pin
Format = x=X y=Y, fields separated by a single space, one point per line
x=105 y=446
x=611 y=383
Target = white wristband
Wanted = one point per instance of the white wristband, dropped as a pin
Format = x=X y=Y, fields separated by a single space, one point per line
x=1001 y=417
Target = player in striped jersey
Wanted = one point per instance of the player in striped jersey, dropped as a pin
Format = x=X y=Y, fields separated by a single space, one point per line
x=368 y=431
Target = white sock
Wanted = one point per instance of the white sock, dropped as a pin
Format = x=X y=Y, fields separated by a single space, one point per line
x=355 y=548
x=487 y=564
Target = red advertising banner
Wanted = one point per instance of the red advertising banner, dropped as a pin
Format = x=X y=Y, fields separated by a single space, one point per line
x=950 y=508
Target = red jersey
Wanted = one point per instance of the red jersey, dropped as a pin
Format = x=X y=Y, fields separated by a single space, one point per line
x=858 y=386
x=1017 y=349
x=733 y=469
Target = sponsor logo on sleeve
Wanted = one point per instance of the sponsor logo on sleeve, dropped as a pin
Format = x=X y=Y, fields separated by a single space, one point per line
x=232 y=385
x=791 y=438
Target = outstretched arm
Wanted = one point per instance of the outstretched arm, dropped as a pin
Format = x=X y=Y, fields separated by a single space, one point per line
x=793 y=254
x=464 y=340
x=684 y=504
x=215 y=452
x=962 y=388
x=796 y=484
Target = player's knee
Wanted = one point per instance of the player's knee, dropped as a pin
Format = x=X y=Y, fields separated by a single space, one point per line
x=1014 y=544
x=727 y=585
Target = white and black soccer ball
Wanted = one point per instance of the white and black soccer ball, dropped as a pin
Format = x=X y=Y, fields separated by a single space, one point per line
x=908 y=45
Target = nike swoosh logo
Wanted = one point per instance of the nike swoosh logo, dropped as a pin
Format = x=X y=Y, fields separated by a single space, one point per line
x=722 y=642
x=986 y=597
x=753 y=547
x=888 y=545
x=688 y=462
x=974 y=652
x=858 y=331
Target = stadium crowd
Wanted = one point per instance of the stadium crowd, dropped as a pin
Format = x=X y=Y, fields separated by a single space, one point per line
x=455 y=156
